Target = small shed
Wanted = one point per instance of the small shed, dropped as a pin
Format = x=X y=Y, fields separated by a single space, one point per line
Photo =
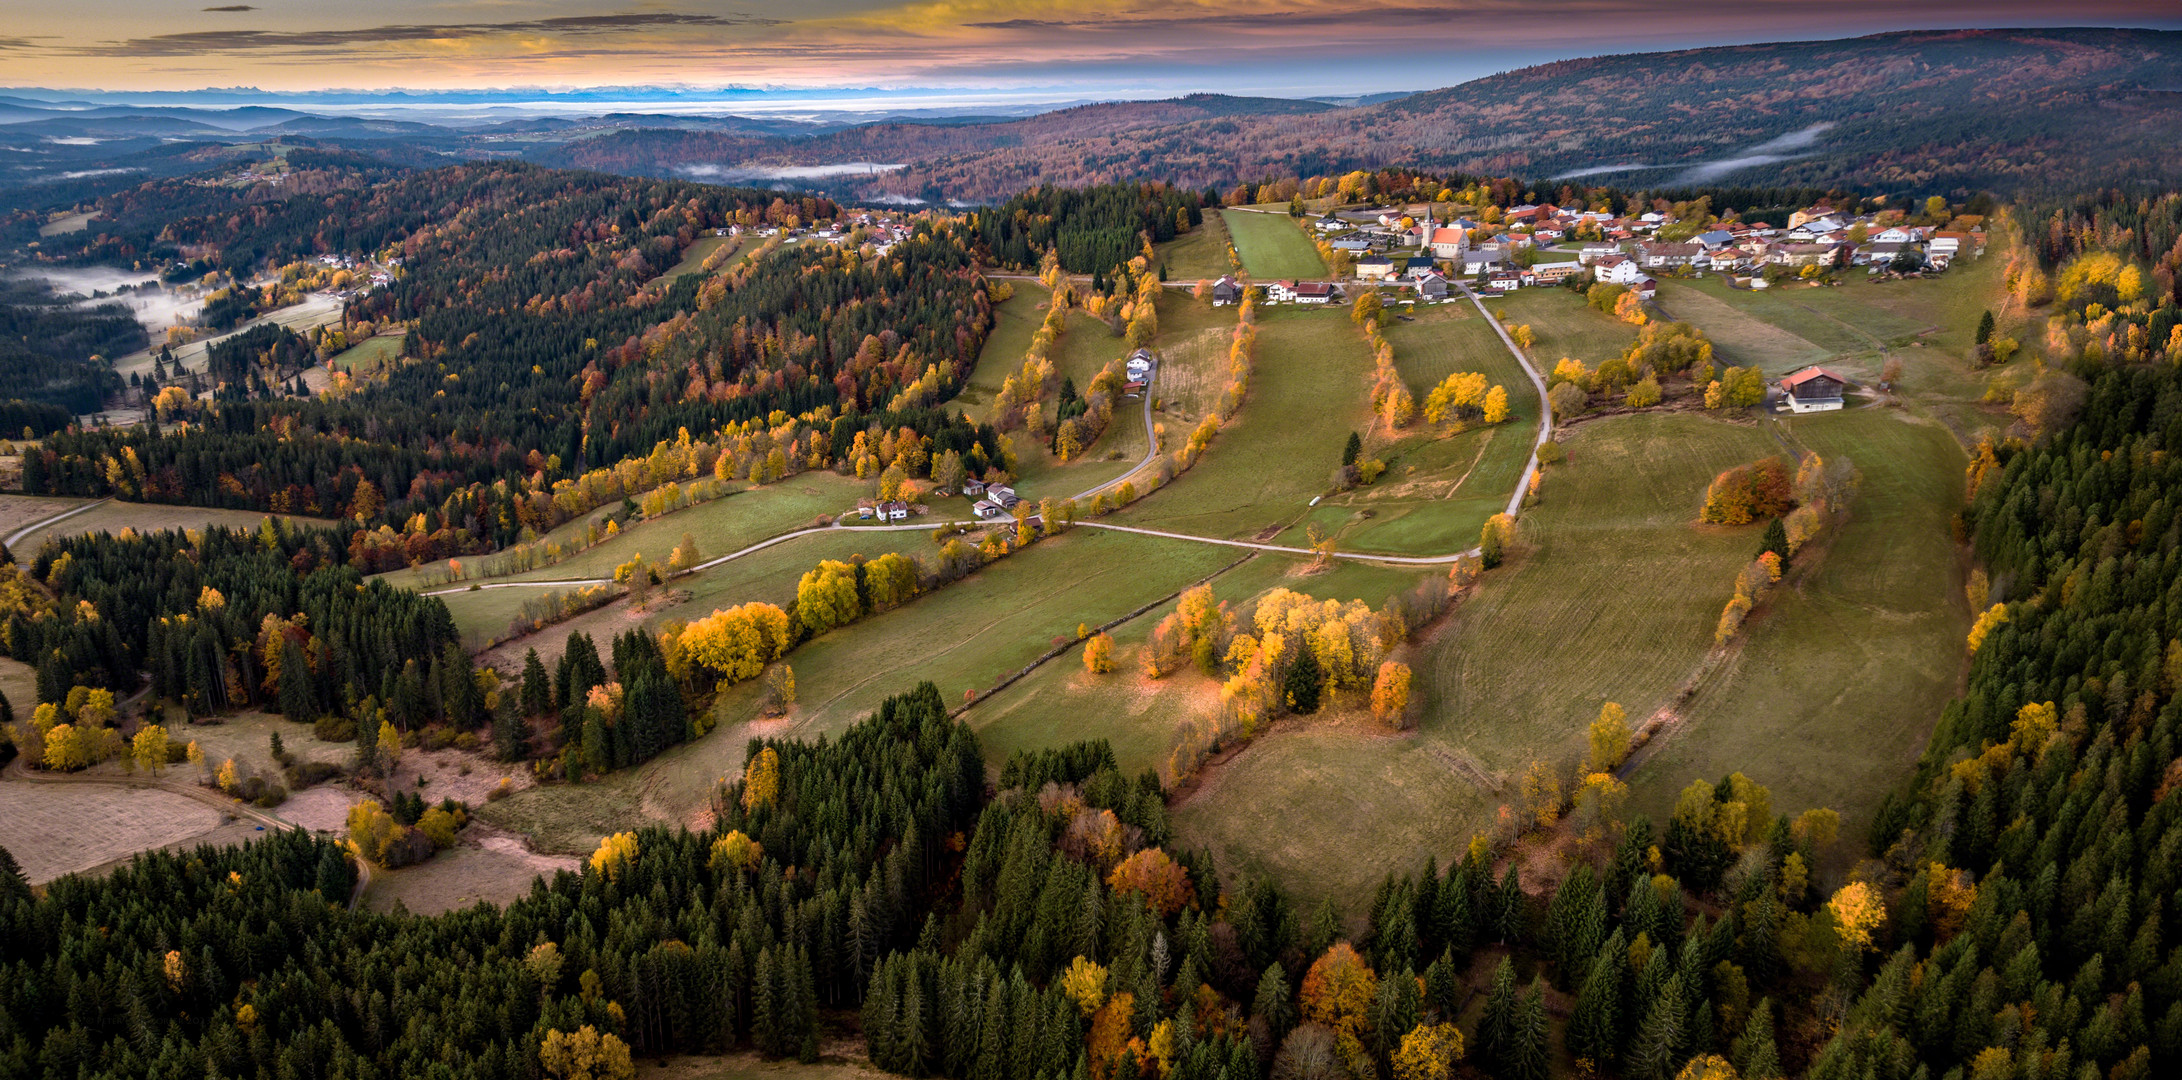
x=1226 y=291
x=974 y=488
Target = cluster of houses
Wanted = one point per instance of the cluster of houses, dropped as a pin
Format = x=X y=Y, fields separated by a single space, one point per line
x=880 y=232
x=1408 y=248
x=993 y=500
x=888 y=510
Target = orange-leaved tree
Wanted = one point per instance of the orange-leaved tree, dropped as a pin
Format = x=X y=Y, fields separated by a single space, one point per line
x=1338 y=991
x=1164 y=884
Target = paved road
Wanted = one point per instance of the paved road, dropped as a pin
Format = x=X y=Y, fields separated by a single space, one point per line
x=1538 y=383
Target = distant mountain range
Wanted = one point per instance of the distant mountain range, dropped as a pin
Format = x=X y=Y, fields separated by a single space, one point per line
x=1941 y=111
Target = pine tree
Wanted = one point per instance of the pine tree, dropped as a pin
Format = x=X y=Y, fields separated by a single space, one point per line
x=1443 y=987
x=1353 y=450
x=765 y=1026
x=1985 y=327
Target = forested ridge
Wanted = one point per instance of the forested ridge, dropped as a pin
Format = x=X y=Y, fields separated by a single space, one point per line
x=541 y=345
x=54 y=356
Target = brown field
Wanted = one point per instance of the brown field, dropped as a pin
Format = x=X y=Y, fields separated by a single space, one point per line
x=114 y=515
x=485 y=866
x=42 y=824
x=19 y=512
x=834 y=1064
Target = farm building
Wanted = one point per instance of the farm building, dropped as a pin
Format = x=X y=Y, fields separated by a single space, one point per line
x=1226 y=291
x=1813 y=389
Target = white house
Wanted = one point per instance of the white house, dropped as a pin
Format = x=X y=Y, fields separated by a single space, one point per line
x=1618 y=270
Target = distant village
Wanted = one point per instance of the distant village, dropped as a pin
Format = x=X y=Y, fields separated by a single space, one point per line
x=1535 y=245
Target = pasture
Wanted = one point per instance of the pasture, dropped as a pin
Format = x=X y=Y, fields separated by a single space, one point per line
x=1565 y=325
x=1311 y=388
x=694 y=256
x=490 y=867
x=723 y=525
x=1841 y=676
x=1439 y=489
x=1596 y=604
x=1200 y=254
x=1273 y=245
x=1061 y=702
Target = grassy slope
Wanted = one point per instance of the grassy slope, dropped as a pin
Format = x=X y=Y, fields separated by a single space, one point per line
x=1311 y=388
x=1839 y=682
x=1273 y=246
x=1060 y=702
x=694 y=256
x=114 y=515
x=1438 y=491
x=1200 y=254
x=721 y=526
x=964 y=636
x=1599 y=608
x=1565 y=326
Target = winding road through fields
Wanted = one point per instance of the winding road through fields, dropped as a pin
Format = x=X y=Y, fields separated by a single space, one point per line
x=1151 y=438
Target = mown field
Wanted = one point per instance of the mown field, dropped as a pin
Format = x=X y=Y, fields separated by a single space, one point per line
x=1085 y=347
x=369 y=355
x=694 y=256
x=769 y=575
x=1200 y=254
x=1564 y=326
x=1310 y=390
x=1273 y=246
x=1835 y=690
x=1596 y=606
x=1439 y=489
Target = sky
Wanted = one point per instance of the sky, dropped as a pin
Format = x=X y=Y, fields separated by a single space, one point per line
x=1053 y=49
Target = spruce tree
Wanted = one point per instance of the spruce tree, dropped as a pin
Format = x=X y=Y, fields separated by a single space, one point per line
x=1985 y=327
x=537 y=690
x=1496 y=1027
x=1527 y=1055
x=298 y=695
x=1353 y=450
x=1756 y=1058
x=14 y=884
x=1594 y=1025
x=1776 y=540
x=1652 y=1054
x=1305 y=680
x=1273 y=1003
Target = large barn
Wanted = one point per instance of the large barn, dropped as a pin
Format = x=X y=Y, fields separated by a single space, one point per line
x=1813 y=389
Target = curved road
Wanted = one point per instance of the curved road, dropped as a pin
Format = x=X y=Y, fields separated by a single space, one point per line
x=17 y=536
x=1151 y=438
